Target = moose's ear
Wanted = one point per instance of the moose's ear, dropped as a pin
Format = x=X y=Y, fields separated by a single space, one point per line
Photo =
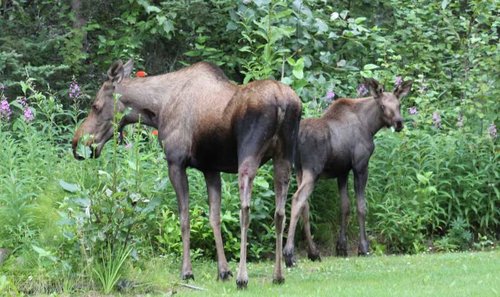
x=127 y=68
x=376 y=89
x=115 y=72
x=403 y=89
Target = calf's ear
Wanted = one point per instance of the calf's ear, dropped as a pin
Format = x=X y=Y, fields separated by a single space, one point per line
x=117 y=72
x=403 y=89
x=376 y=89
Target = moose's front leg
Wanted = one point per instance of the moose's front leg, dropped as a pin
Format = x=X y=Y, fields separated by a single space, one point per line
x=246 y=174
x=178 y=178
x=214 y=199
x=360 y=179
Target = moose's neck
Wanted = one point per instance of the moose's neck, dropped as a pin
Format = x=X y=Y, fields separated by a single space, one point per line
x=371 y=115
x=140 y=98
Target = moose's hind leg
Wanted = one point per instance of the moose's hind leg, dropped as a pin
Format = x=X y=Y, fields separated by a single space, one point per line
x=282 y=168
x=246 y=174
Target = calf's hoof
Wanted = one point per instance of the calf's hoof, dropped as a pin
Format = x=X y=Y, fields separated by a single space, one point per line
x=241 y=284
x=187 y=276
x=279 y=280
x=341 y=248
x=289 y=258
x=224 y=275
x=314 y=256
x=341 y=253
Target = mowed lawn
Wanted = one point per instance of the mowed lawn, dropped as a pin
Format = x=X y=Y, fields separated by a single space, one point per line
x=447 y=274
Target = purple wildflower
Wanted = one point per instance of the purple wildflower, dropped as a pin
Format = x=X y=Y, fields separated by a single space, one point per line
x=460 y=121
x=5 y=111
x=28 y=114
x=413 y=110
x=436 y=119
x=492 y=129
x=74 y=90
x=362 y=90
x=398 y=81
x=329 y=96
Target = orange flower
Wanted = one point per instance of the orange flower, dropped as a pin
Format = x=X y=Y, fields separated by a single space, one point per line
x=141 y=73
x=155 y=132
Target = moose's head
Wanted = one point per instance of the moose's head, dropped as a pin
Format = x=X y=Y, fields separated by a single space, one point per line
x=390 y=102
x=98 y=126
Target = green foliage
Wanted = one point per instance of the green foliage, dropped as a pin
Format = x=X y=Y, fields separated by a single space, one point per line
x=425 y=185
x=108 y=271
x=433 y=187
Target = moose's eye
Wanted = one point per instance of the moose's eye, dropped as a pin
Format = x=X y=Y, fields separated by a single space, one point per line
x=95 y=107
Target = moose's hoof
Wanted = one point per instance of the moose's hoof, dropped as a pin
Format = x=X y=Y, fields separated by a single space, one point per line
x=289 y=261
x=314 y=256
x=241 y=284
x=363 y=249
x=363 y=254
x=279 y=280
x=187 y=276
x=225 y=275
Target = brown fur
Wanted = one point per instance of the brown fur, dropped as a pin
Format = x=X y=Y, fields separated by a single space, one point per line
x=333 y=145
x=207 y=122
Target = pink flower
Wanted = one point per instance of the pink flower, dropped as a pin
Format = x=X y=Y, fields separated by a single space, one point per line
x=329 y=96
x=362 y=90
x=436 y=119
x=398 y=81
x=5 y=110
x=492 y=129
x=74 y=90
x=28 y=114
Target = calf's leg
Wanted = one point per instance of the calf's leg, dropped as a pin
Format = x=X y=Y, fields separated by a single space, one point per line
x=178 y=178
x=312 y=251
x=344 y=216
x=213 y=182
x=360 y=179
x=299 y=199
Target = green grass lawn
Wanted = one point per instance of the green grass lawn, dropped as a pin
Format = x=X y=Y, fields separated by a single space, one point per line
x=450 y=274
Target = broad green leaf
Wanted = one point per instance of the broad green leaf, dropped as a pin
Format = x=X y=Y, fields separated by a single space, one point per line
x=370 y=67
x=444 y=4
x=72 y=188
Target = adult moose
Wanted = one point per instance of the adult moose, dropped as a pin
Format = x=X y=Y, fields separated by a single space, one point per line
x=333 y=145
x=206 y=122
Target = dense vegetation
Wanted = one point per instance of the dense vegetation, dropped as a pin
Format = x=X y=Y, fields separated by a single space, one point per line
x=66 y=224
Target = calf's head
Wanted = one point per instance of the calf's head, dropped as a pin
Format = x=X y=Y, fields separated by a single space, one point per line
x=390 y=102
x=98 y=126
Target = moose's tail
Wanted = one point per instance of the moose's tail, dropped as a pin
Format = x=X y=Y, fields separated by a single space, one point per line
x=289 y=130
